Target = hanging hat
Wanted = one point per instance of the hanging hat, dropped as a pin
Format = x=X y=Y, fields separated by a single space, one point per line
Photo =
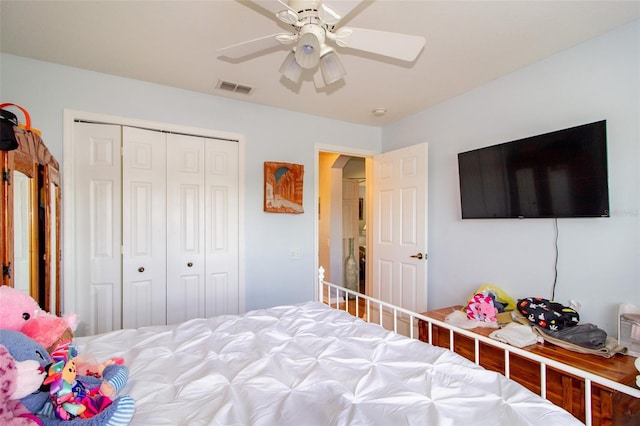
x=8 y=120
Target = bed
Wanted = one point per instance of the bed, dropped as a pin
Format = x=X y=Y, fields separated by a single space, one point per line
x=308 y=364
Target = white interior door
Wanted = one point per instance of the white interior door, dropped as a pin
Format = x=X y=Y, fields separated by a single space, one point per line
x=400 y=227
x=144 y=217
x=185 y=228
x=221 y=228
x=97 y=224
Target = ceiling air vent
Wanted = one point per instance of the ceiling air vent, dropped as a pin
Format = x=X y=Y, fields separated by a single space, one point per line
x=234 y=87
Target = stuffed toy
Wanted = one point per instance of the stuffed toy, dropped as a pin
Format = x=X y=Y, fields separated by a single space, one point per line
x=16 y=308
x=70 y=396
x=118 y=413
x=17 y=380
x=51 y=331
x=18 y=311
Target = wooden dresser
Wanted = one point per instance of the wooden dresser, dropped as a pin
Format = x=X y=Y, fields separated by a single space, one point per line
x=609 y=407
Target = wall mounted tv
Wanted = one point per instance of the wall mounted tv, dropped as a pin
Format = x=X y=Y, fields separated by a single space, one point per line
x=555 y=175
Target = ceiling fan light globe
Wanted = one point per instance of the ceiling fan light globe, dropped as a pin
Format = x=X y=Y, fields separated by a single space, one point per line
x=308 y=51
x=290 y=68
x=331 y=68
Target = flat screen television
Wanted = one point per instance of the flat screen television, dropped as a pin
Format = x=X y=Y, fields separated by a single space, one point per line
x=560 y=174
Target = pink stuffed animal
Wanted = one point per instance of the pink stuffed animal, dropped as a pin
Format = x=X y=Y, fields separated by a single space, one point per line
x=16 y=308
x=50 y=330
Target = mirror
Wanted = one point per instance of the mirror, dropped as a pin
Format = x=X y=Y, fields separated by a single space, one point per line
x=30 y=221
x=22 y=241
x=54 y=232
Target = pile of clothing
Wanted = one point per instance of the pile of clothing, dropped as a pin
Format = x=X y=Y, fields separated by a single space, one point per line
x=487 y=303
x=560 y=325
x=533 y=320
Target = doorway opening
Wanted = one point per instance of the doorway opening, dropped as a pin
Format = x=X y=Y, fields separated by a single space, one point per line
x=342 y=219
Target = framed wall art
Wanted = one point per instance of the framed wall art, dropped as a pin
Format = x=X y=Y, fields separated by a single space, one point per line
x=283 y=187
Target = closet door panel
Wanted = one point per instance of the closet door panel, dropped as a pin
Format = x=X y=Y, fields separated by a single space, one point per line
x=144 y=228
x=97 y=203
x=221 y=232
x=185 y=227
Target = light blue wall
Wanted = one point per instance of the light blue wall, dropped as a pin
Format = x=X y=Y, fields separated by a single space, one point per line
x=599 y=259
x=46 y=89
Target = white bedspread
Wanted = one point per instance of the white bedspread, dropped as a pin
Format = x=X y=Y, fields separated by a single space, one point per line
x=308 y=365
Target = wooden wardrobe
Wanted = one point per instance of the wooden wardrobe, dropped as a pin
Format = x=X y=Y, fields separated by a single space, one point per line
x=30 y=220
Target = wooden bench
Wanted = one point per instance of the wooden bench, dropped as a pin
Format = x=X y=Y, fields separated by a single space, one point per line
x=608 y=407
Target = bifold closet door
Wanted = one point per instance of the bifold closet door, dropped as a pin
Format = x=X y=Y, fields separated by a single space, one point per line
x=222 y=190
x=144 y=216
x=96 y=199
x=155 y=227
x=185 y=227
x=202 y=227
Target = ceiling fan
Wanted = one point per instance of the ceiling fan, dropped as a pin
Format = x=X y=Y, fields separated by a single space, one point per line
x=315 y=26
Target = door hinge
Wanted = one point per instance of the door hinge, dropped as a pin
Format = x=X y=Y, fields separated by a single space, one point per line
x=6 y=270
x=6 y=176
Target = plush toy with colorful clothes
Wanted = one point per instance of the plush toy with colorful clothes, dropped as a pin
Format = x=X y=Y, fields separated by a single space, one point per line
x=118 y=413
x=52 y=331
x=70 y=396
x=20 y=312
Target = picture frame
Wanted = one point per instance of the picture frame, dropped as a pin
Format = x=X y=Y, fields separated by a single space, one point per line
x=283 y=187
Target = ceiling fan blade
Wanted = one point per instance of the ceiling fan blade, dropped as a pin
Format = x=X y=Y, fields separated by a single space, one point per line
x=273 y=6
x=342 y=7
x=394 y=45
x=250 y=47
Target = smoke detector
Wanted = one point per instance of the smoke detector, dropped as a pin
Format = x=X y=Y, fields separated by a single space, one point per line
x=379 y=112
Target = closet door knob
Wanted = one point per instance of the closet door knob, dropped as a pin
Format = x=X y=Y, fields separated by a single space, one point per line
x=190 y=264
x=417 y=256
x=141 y=269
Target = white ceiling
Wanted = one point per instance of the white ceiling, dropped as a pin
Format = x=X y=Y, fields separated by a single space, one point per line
x=174 y=43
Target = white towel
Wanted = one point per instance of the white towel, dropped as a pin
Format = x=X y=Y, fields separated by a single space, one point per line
x=459 y=319
x=517 y=335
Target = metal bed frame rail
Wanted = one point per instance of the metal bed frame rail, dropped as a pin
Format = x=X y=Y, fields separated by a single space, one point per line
x=336 y=296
